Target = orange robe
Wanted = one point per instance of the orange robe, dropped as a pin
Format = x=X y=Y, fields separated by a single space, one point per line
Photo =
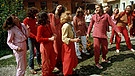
x=69 y=58
x=48 y=55
x=56 y=28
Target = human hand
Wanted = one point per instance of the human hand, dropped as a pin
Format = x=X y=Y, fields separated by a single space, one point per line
x=77 y=39
x=19 y=49
x=52 y=38
x=87 y=36
x=119 y=34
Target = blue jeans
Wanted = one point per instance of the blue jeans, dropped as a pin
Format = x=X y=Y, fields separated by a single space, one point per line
x=31 y=44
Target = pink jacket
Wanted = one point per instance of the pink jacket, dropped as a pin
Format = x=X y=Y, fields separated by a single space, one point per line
x=80 y=26
x=15 y=36
x=100 y=24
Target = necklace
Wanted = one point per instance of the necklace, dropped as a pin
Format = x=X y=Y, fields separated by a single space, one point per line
x=98 y=19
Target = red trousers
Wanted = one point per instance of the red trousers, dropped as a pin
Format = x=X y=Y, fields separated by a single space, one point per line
x=69 y=58
x=48 y=57
x=124 y=32
x=112 y=35
x=104 y=48
x=132 y=30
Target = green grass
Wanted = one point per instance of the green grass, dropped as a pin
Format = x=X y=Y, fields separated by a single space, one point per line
x=123 y=64
x=5 y=52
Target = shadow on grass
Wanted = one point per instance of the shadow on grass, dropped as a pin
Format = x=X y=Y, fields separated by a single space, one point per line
x=121 y=57
x=92 y=69
x=122 y=48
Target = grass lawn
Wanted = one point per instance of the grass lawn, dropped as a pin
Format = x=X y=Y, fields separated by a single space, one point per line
x=123 y=64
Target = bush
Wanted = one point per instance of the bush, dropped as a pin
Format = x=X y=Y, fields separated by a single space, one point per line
x=8 y=7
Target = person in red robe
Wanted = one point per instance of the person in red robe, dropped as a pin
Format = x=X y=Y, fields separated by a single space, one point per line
x=56 y=28
x=46 y=38
x=69 y=58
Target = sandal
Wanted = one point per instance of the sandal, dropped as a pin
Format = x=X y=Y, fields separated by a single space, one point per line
x=33 y=71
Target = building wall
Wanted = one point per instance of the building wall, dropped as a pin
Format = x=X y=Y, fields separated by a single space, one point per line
x=121 y=3
x=71 y=5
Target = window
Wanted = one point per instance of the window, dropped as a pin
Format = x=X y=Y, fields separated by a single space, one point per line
x=132 y=2
x=43 y=5
x=117 y=5
x=123 y=6
x=55 y=3
x=31 y=4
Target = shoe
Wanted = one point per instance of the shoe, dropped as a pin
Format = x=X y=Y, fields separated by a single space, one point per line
x=106 y=61
x=99 y=66
x=32 y=71
x=79 y=57
x=117 y=51
x=85 y=52
x=132 y=50
x=110 y=43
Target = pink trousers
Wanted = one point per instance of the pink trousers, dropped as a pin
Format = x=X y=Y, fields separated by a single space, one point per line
x=21 y=59
x=104 y=48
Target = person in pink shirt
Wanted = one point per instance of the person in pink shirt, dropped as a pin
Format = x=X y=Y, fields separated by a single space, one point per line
x=16 y=40
x=80 y=30
x=116 y=11
x=100 y=22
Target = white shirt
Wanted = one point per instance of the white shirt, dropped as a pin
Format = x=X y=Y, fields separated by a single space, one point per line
x=88 y=18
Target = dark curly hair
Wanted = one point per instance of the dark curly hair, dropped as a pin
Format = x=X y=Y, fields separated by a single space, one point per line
x=62 y=10
x=42 y=18
x=31 y=12
x=8 y=24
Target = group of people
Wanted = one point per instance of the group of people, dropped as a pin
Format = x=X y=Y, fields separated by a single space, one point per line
x=56 y=37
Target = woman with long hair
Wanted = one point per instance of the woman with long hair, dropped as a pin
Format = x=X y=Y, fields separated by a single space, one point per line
x=80 y=30
x=56 y=28
x=16 y=40
x=46 y=38
x=123 y=19
x=30 y=21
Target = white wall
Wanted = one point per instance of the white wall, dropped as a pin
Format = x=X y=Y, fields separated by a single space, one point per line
x=126 y=2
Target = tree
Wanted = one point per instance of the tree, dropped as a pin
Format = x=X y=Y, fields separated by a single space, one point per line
x=8 y=7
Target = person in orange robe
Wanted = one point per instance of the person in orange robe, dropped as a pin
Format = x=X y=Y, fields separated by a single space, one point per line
x=46 y=38
x=69 y=58
x=56 y=28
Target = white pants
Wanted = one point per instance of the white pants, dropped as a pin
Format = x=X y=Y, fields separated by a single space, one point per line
x=84 y=43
